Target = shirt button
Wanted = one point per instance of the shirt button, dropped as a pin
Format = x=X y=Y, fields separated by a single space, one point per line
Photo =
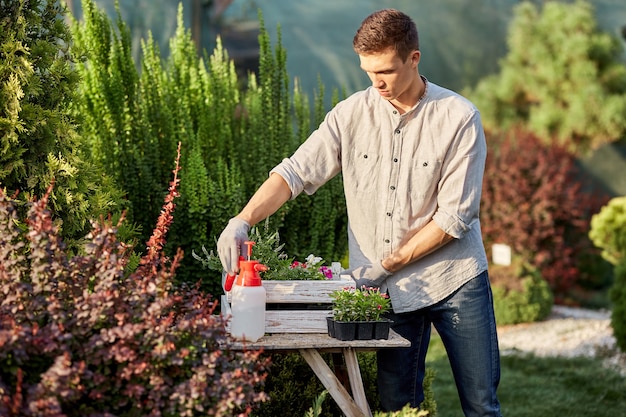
x=398 y=131
x=393 y=187
x=386 y=240
x=395 y=159
x=365 y=156
x=388 y=214
x=395 y=112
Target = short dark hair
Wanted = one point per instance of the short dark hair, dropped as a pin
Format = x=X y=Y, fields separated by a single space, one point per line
x=386 y=29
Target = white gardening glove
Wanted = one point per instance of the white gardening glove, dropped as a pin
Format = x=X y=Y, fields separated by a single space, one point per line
x=231 y=244
x=370 y=275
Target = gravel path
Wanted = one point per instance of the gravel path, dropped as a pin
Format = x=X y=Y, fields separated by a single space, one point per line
x=566 y=332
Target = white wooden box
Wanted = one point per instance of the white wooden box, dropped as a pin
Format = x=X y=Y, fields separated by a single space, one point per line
x=300 y=294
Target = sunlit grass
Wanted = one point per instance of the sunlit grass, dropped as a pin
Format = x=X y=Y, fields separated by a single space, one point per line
x=537 y=387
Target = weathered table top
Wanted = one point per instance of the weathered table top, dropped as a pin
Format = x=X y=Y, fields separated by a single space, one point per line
x=311 y=344
x=319 y=341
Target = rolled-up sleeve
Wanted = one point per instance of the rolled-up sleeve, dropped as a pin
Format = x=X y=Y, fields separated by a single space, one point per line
x=315 y=162
x=460 y=186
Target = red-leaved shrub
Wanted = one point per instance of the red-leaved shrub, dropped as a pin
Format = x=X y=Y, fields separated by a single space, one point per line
x=81 y=337
x=534 y=200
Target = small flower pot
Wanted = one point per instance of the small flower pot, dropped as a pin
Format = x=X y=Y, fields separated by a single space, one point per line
x=344 y=330
x=365 y=330
x=381 y=329
x=358 y=330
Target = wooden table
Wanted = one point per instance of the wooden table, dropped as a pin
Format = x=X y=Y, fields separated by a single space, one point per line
x=310 y=345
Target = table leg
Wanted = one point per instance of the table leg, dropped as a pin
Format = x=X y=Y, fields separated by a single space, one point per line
x=356 y=382
x=332 y=384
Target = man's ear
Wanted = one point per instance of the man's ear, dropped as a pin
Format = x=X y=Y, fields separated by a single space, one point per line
x=415 y=57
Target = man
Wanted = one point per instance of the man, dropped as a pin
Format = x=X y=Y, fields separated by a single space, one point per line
x=412 y=156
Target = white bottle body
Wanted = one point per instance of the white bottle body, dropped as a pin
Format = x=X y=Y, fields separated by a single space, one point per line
x=248 y=313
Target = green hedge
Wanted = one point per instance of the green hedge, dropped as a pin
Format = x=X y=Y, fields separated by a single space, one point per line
x=231 y=137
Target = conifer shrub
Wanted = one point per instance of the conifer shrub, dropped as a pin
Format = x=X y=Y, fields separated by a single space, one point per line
x=535 y=201
x=79 y=336
x=38 y=136
x=608 y=232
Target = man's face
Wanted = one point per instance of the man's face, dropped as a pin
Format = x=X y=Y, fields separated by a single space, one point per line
x=391 y=77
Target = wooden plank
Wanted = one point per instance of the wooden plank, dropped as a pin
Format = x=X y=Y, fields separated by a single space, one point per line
x=302 y=292
x=320 y=341
x=290 y=321
x=296 y=321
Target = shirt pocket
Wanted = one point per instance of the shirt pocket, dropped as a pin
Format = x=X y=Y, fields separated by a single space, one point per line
x=363 y=174
x=424 y=177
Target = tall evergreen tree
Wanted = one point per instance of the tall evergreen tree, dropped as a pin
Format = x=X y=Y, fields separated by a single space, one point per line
x=38 y=138
x=562 y=78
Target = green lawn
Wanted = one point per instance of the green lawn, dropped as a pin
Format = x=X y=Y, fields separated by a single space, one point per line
x=538 y=387
x=529 y=387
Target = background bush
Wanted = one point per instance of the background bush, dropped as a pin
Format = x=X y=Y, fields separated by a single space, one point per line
x=531 y=202
x=608 y=232
x=520 y=294
x=562 y=79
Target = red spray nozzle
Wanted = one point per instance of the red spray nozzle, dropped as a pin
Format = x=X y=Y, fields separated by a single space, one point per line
x=249 y=245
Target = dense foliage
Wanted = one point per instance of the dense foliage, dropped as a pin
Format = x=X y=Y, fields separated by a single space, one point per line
x=78 y=337
x=531 y=201
x=360 y=304
x=293 y=387
x=562 y=78
x=520 y=294
x=231 y=138
x=268 y=250
x=38 y=138
x=608 y=232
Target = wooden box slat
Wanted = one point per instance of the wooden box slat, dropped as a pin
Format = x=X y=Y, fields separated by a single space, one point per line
x=299 y=293
x=296 y=321
x=302 y=292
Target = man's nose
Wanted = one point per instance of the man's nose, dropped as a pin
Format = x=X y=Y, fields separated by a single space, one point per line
x=377 y=82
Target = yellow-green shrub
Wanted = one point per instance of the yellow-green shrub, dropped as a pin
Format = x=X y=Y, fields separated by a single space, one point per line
x=608 y=232
x=520 y=295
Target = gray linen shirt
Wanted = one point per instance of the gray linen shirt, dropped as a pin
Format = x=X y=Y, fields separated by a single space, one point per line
x=399 y=173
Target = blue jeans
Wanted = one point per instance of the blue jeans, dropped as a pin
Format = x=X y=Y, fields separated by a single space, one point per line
x=465 y=321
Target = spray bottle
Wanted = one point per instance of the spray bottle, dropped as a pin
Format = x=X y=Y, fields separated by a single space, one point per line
x=247 y=299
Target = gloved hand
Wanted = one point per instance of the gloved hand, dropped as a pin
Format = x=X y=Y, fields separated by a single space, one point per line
x=231 y=244
x=370 y=275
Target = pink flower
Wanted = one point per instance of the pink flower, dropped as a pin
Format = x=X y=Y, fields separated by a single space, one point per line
x=328 y=273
